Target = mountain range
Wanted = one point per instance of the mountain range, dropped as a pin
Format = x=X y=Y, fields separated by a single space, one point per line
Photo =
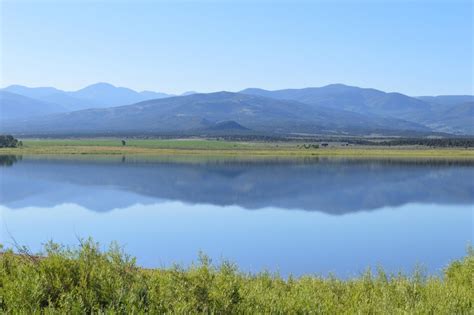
x=449 y=113
x=334 y=109
x=99 y=95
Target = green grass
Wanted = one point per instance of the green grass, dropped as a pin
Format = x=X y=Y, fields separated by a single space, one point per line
x=204 y=147
x=196 y=144
x=87 y=280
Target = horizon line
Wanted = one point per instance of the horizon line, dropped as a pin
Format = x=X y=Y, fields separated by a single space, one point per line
x=224 y=90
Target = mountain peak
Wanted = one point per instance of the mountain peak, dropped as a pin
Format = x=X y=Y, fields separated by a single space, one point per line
x=99 y=85
x=14 y=86
x=188 y=93
x=103 y=84
x=340 y=87
x=227 y=125
x=247 y=90
x=32 y=92
x=220 y=94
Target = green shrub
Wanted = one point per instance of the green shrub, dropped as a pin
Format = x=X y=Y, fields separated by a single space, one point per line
x=88 y=280
x=8 y=141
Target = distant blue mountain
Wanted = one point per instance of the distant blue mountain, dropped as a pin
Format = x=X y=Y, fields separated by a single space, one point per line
x=99 y=95
x=351 y=98
x=188 y=93
x=52 y=95
x=214 y=113
x=334 y=108
x=150 y=95
x=38 y=92
x=14 y=106
x=447 y=99
x=429 y=111
x=107 y=95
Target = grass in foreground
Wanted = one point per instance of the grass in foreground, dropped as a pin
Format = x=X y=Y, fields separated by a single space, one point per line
x=86 y=280
x=224 y=148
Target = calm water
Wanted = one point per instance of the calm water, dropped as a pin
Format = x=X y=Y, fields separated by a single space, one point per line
x=311 y=216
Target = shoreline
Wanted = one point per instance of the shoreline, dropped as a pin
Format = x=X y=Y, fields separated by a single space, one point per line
x=257 y=152
x=230 y=149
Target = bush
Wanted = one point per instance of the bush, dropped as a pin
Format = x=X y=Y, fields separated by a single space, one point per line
x=9 y=141
x=87 y=280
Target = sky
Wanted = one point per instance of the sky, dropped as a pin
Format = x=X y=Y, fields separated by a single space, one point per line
x=414 y=47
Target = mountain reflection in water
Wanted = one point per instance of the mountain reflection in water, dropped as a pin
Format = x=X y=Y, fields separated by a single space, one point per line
x=332 y=186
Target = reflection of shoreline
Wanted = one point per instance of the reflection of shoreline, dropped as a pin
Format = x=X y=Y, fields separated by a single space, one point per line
x=159 y=205
x=328 y=185
x=243 y=160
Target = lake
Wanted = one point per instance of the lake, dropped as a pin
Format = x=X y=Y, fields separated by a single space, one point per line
x=315 y=216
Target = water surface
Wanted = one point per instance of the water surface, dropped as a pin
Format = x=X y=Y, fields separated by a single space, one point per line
x=305 y=216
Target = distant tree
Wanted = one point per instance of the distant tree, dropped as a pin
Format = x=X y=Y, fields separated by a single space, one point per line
x=432 y=143
x=8 y=141
x=309 y=146
x=124 y=142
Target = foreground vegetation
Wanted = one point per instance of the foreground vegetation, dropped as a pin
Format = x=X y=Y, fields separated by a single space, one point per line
x=229 y=148
x=85 y=280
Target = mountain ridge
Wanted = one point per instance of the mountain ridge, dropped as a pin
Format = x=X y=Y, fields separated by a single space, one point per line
x=195 y=112
x=97 y=95
x=334 y=108
x=376 y=102
x=15 y=106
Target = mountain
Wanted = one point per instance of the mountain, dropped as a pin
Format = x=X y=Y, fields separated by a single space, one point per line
x=449 y=113
x=149 y=95
x=107 y=95
x=14 y=106
x=226 y=126
x=334 y=108
x=71 y=103
x=38 y=92
x=447 y=99
x=197 y=112
x=456 y=119
x=350 y=98
x=52 y=95
x=427 y=110
x=188 y=93
x=99 y=95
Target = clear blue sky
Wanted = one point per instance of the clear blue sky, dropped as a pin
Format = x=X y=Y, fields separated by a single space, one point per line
x=414 y=47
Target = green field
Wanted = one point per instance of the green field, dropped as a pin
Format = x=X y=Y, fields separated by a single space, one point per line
x=205 y=147
x=195 y=144
x=86 y=280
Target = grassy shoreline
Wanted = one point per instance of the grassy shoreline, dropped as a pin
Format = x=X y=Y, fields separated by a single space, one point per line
x=214 y=148
x=88 y=280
